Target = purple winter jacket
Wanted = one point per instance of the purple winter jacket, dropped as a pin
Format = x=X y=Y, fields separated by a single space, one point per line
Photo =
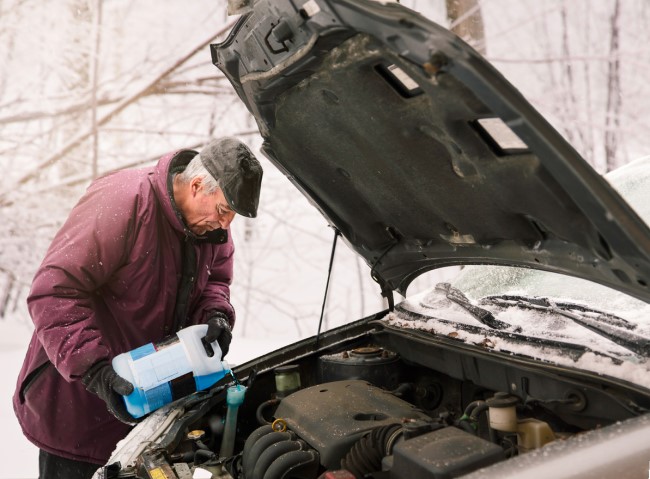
x=108 y=284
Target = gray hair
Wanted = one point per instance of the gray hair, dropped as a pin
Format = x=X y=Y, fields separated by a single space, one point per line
x=195 y=169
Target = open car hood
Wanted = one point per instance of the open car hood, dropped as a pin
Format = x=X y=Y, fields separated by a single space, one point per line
x=419 y=152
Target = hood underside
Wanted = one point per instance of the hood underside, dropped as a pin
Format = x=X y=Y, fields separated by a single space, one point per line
x=419 y=152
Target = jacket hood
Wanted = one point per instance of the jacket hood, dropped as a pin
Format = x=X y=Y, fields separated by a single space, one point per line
x=162 y=185
x=419 y=152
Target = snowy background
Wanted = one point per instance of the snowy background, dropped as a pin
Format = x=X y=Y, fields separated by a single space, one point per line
x=88 y=86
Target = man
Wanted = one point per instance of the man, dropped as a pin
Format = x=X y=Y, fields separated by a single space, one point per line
x=143 y=254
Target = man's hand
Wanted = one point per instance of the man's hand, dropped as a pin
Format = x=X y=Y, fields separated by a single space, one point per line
x=102 y=380
x=219 y=331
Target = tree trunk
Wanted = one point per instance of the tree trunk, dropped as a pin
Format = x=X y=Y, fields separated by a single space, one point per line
x=612 y=114
x=466 y=21
x=97 y=24
x=5 y=294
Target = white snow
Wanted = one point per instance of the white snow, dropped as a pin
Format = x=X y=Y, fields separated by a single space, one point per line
x=19 y=458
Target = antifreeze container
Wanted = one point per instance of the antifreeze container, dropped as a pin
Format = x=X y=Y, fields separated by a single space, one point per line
x=169 y=370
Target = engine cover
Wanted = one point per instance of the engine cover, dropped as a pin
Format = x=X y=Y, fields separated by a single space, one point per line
x=331 y=417
x=442 y=454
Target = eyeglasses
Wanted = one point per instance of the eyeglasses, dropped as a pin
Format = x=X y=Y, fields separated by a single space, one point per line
x=224 y=210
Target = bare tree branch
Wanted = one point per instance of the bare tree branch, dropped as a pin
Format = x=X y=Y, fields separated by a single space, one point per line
x=81 y=179
x=203 y=85
x=49 y=161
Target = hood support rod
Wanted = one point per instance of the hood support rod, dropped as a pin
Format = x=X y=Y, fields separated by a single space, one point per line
x=386 y=291
x=327 y=284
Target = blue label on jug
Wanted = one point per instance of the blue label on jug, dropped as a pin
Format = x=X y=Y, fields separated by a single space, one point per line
x=142 y=351
x=158 y=396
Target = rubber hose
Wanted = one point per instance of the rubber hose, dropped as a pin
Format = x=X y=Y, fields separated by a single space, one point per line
x=402 y=389
x=366 y=454
x=201 y=455
x=465 y=426
x=470 y=407
x=259 y=413
x=187 y=456
x=247 y=462
x=294 y=465
x=478 y=410
x=271 y=454
x=201 y=445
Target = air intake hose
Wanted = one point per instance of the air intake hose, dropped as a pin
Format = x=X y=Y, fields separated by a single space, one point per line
x=295 y=465
x=270 y=454
x=367 y=453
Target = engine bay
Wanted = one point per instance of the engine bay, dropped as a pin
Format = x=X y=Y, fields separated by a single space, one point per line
x=383 y=404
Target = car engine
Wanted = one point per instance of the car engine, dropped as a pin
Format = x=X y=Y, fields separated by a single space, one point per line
x=356 y=427
x=358 y=422
x=378 y=405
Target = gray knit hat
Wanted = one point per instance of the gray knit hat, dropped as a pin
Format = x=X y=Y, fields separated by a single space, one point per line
x=237 y=171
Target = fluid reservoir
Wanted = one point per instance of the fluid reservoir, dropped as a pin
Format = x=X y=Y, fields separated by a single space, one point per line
x=169 y=370
x=287 y=380
x=502 y=412
x=234 y=399
x=531 y=433
x=373 y=364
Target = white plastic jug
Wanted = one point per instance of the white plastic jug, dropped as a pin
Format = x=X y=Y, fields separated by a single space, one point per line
x=170 y=370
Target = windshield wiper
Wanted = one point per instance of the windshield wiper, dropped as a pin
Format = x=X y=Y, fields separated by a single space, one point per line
x=533 y=302
x=482 y=315
x=607 y=325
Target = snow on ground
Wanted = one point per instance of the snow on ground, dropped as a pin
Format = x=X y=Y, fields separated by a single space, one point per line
x=19 y=458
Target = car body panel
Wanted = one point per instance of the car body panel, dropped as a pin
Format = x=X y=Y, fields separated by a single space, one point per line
x=619 y=450
x=374 y=113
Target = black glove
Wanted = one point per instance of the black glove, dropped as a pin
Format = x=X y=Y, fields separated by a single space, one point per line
x=102 y=380
x=219 y=331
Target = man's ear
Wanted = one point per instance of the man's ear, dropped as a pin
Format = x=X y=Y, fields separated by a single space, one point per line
x=195 y=185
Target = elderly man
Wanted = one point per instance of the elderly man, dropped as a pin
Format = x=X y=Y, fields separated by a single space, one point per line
x=143 y=254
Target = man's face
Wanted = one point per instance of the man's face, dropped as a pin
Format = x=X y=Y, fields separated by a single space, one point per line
x=206 y=212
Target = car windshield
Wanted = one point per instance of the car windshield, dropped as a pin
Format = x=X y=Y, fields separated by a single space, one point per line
x=632 y=181
x=478 y=282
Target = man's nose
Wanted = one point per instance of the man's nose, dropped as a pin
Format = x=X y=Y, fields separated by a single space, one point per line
x=226 y=219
